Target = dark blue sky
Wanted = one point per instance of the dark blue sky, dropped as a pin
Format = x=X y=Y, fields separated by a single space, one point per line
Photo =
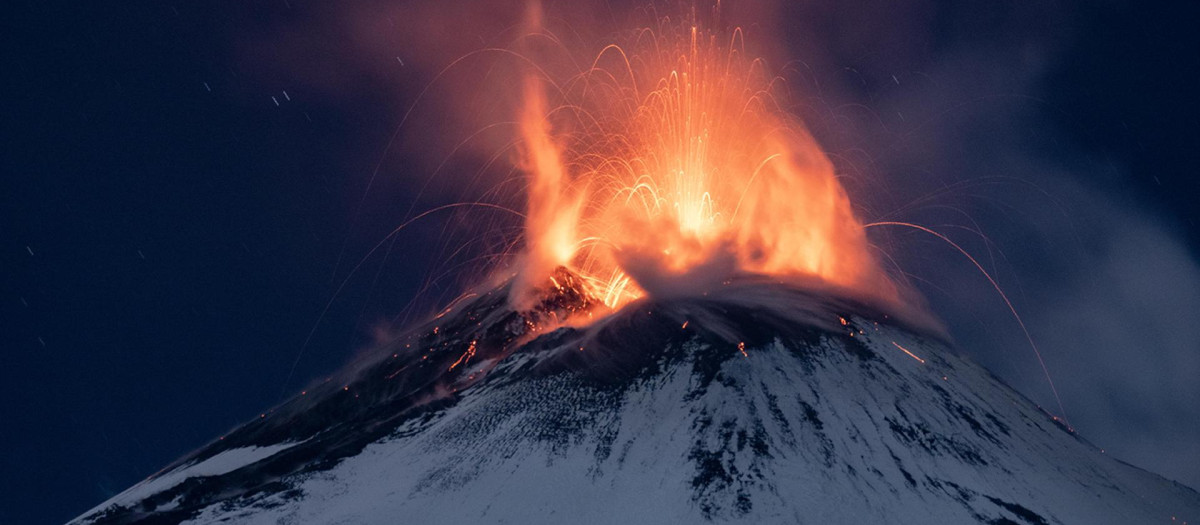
x=174 y=224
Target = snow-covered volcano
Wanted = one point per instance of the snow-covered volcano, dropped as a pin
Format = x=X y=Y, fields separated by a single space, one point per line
x=758 y=403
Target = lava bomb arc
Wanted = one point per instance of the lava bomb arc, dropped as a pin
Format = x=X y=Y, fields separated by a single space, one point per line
x=670 y=163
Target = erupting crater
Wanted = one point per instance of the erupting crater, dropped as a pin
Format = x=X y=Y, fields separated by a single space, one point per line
x=672 y=163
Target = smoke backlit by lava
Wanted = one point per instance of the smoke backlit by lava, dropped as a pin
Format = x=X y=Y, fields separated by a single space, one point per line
x=669 y=162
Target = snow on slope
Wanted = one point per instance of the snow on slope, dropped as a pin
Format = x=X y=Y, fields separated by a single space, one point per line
x=222 y=463
x=771 y=437
x=713 y=409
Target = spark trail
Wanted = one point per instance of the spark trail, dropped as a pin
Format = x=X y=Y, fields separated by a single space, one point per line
x=1000 y=292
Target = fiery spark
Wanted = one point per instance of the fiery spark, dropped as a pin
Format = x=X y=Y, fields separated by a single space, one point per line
x=466 y=356
x=670 y=164
x=910 y=354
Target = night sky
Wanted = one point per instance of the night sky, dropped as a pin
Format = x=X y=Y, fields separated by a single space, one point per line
x=183 y=194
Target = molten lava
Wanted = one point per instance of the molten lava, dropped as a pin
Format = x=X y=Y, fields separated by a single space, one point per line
x=670 y=164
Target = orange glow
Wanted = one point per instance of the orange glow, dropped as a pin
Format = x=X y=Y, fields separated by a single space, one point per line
x=670 y=164
x=465 y=357
x=552 y=214
x=910 y=354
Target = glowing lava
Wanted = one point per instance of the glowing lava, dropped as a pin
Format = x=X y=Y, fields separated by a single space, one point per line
x=669 y=165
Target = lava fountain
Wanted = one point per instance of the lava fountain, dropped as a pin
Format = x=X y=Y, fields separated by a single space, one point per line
x=670 y=163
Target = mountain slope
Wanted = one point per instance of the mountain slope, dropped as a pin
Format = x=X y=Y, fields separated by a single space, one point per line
x=721 y=408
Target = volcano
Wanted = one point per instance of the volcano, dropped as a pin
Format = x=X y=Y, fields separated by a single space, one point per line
x=757 y=402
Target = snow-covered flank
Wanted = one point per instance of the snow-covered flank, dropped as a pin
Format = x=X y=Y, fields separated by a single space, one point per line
x=755 y=404
x=222 y=463
x=884 y=429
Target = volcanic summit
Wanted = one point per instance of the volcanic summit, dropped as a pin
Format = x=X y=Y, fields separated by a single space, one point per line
x=757 y=402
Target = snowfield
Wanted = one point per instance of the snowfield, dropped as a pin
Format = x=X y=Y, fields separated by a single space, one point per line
x=865 y=422
x=222 y=463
